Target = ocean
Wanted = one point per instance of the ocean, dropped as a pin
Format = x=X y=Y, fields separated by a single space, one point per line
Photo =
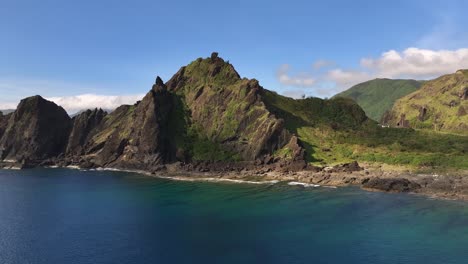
x=52 y=216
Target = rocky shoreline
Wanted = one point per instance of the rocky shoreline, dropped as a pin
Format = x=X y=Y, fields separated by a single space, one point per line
x=370 y=177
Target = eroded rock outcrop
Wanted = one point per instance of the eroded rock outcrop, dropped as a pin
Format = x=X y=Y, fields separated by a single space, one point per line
x=391 y=185
x=84 y=126
x=140 y=136
x=37 y=130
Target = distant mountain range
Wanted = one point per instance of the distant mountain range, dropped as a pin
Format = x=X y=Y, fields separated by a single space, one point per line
x=378 y=96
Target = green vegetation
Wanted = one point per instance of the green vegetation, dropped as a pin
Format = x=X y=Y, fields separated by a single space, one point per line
x=336 y=131
x=378 y=96
x=203 y=149
x=438 y=105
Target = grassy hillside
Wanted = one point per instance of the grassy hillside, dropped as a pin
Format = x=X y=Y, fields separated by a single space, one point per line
x=336 y=131
x=378 y=96
x=440 y=104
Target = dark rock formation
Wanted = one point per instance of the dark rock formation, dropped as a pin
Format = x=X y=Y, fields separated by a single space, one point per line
x=347 y=167
x=139 y=136
x=403 y=122
x=37 y=130
x=3 y=122
x=84 y=125
x=464 y=93
x=422 y=113
x=391 y=185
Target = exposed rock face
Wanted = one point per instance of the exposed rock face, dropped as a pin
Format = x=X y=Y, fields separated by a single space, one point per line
x=464 y=93
x=3 y=122
x=84 y=125
x=403 y=122
x=37 y=130
x=229 y=110
x=422 y=113
x=137 y=136
x=391 y=185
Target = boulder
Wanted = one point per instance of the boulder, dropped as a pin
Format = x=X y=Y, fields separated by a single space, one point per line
x=391 y=185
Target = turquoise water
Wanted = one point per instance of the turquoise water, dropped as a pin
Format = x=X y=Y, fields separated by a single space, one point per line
x=70 y=216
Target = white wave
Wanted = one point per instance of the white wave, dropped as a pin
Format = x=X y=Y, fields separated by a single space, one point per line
x=303 y=184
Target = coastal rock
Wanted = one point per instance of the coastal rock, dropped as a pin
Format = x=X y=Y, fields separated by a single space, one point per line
x=84 y=125
x=37 y=130
x=138 y=136
x=390 y=185
x=346 y=167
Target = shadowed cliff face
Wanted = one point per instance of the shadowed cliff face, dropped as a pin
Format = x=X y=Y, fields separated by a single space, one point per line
x=135 y=136
x=83 y=129
x=3 y=123
x=37 y=130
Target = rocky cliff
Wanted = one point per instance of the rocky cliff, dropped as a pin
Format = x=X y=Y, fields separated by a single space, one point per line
x=37 y=130
x=440 y=104
x=3 y=122
x=205 y=113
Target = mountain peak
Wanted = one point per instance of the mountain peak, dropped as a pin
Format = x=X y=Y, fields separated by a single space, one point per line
x=213 y=71
x=159 y=81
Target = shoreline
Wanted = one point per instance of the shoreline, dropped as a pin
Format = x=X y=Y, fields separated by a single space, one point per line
x=448 y=186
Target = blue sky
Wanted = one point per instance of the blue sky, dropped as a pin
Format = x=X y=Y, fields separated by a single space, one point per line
x=66 y=49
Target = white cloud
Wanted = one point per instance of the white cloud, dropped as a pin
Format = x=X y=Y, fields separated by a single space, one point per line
x=7 y=105
x=411 y=63
x=416 y=63
x=320 y=64
x=347 y=78
x=73 y=104
x=13 y=89
x=299 y=80
x=296 y=94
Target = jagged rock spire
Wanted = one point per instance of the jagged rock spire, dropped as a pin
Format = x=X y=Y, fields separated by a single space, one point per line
x=159 y=81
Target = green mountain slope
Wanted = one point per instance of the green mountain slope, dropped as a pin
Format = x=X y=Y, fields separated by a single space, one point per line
x=440 y=104
x=378 y=96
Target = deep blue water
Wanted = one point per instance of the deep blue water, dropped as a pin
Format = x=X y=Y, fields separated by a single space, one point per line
x=69 y=216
